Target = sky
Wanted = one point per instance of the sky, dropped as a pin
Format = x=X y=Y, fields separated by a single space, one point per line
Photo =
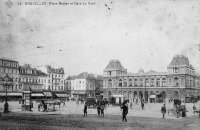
x=83 y=38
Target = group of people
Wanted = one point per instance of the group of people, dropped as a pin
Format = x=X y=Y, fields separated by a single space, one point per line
x=100 y=105
x=180 y=110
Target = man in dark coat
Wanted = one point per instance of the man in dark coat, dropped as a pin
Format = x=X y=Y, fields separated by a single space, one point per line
x=85 y=110
x=98 y=107
x=124 y=111
x=163 y=110
x=142 y=104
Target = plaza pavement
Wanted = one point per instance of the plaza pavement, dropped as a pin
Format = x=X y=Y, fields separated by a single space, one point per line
x=150 y=109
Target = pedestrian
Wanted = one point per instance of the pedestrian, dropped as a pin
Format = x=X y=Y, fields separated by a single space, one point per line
x=178 y=110
x=98 y=108
x=64 y=103
x=184 y=111
x=102 y=110
x=163 y=110
x=85 y=110
x=45 y=107
x=124 y=111
x=142 y=105
x=194 y=108
x=131 y=105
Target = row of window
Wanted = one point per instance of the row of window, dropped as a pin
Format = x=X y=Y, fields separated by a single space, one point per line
x=19 y=87
x=9 y=64
x=55 y=81
x=55 y=75
x=31 y=80
x=9 y=71
x=146 y=82
x=54 y=87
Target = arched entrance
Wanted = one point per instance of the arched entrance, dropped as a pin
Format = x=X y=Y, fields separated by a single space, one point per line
x=109 y=95
x=140 y=95
x=129 y=95
x=163 y=95
x=135 y=95
x=146 y=96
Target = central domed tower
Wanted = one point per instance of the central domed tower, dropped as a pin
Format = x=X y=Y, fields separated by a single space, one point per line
x=114 y=68
x=180 y=65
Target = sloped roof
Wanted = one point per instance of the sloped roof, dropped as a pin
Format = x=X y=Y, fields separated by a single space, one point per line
x=85 y=75
x=114 y=65
x=151 y=72
x=28 y=67
x=179 y=60
x=71 y=77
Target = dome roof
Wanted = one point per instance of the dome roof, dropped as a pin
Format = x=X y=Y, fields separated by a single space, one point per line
x=114 y=65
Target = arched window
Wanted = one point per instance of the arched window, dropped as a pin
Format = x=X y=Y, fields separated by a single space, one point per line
x=182 y=81
x=141 y=82
x=146 y=82
x=109 y=83
x=152 y=82
x=125 y=83
x=157 y=82
x=120 y=83
x=192 y=81
x=135 y=82
x=170 y=81
x=163 y=81
x=176 y=81
x=130 y=82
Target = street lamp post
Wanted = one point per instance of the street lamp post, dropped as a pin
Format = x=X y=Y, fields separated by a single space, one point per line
x=6 y=79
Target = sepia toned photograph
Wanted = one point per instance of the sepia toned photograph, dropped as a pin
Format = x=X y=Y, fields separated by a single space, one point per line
x=99 y=65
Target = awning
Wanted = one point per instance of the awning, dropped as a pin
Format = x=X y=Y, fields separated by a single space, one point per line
x=14 y=94
x=37 y=95
x=11 y=94
x=2 y=94
x=61 y=95
x=48 y=94
x=152 y=96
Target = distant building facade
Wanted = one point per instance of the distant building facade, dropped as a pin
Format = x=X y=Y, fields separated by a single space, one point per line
x=83 y=85
x=31 y=78
x=179 y=81
x=55 y=79
x=11 y=68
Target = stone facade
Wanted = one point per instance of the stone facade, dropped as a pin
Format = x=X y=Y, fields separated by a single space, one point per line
x=11 y=68
x=83 y=84
x=55 y=79
x=178 y=82
x=31 y=78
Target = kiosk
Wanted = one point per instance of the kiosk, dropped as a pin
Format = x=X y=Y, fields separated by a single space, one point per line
x=26 y=101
